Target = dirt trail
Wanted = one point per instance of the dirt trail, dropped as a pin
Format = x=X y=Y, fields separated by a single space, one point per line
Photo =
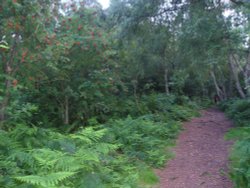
x=201 y=154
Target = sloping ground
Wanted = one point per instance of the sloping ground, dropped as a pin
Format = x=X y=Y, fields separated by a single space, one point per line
x=201 y=154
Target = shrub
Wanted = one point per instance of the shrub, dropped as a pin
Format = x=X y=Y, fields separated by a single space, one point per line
x=144 y=139
x=239 y=111
x=240 y=164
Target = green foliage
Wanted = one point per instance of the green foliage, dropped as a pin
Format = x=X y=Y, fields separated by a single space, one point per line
x=172 y=107
x=147 y=177
x=169 y=107
x=241 y=163
x=143 y=138
x=50 y=180
x=118 y=153
x=239 y=111
x=58 y=160
x=69 y=64
x=239 y=133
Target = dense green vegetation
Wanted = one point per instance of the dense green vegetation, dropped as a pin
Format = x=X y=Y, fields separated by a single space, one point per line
x=119 y=153
x=239 y=111
x=94 y=98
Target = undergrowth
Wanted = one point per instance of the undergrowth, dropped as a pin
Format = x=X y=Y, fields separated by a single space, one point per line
x=239 y=112
x=120 y=153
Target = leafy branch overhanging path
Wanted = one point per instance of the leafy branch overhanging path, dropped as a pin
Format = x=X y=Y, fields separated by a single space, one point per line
x=201 y=154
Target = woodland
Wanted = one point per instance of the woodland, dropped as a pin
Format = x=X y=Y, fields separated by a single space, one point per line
x=94 y=98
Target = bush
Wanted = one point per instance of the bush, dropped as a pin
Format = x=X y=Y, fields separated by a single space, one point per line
x=171 y=107
x=144 y=139
x=240 y=158
x=239 y=111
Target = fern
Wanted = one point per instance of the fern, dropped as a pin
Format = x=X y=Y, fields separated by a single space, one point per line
x=143 y=138
x=46 y=157
x=106 y=156
x=68 y=163
x=50 y=180
x=89 y=135
x=87 y=155
x=105 y=148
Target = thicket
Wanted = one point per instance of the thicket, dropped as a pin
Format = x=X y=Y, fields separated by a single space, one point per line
x=239 y=111
x=119 y=153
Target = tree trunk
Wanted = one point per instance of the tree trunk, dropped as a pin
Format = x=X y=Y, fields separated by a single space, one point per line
x=218 y=90
x=5 y=100
x=247 y=75
x=135 y=88
x=224 y=91
x=231 y=83
x=62 y=111
x=236 y=77
x=166 y=81
x=66 y=118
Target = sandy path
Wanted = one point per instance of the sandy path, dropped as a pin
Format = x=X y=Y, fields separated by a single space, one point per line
x=201 y=154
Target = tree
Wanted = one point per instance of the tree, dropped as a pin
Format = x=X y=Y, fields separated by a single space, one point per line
x=18 y=20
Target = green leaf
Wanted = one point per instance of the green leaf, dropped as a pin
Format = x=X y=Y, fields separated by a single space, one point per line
x=4 y=47
x=52 y=179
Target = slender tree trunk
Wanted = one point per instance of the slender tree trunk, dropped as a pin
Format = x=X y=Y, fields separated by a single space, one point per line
x=135 y=88
x=230 y=87
x=166 y=81
x=224 y=91
x=236 y=77
x=218 y=90
x=66 y=120
x=204 y=90
x=62 y=112
x=247 y=75
x=5 y=101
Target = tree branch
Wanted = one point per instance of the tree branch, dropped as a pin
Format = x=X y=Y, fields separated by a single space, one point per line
x=237 y=2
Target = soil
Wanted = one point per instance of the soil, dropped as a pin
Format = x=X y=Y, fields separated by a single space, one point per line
x=201 y=154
